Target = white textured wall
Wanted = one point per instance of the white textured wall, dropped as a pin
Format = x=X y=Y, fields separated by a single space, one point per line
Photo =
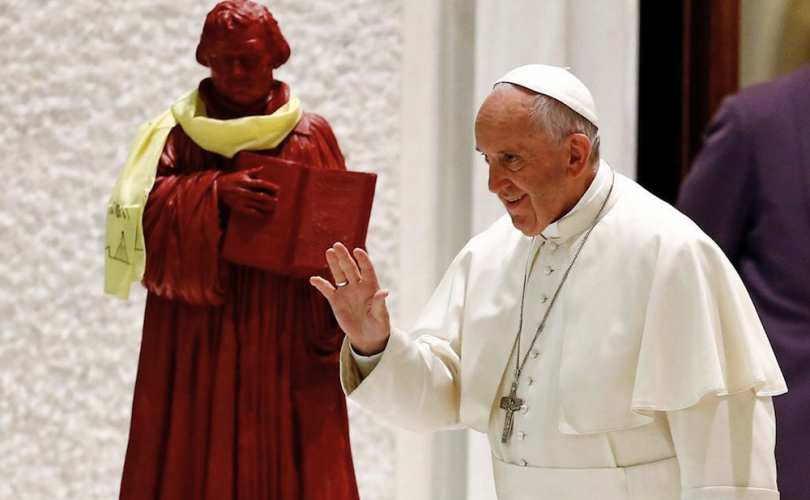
x=78 y=78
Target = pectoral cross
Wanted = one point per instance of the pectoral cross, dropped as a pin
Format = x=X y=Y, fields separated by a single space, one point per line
x=511 y=404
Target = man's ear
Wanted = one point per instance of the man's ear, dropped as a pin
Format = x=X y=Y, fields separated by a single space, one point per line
x=579 y=153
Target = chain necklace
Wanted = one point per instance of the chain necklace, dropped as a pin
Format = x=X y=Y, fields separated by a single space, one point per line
x=512 y=403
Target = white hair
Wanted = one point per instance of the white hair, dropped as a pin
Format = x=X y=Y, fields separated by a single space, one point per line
x=559 y=121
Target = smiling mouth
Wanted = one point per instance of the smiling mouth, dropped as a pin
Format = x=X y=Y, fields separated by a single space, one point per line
x=510 y=202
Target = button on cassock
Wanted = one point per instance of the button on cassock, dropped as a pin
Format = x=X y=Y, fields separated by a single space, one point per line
x=549 y=270
x=524 y=409
x=521 y=435
x=535 y=355
x=543 y=298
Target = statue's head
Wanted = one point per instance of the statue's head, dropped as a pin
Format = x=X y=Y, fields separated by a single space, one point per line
x=242 y=44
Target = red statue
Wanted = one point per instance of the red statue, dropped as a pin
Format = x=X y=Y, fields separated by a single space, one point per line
x=237 y=394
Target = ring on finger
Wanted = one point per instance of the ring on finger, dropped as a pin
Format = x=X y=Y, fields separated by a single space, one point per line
x=341 y=284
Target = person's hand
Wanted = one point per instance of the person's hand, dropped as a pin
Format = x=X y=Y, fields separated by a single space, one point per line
x=356 y=299
x=243 y=192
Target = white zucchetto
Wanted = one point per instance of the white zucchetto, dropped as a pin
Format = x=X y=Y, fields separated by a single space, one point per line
x=555 y=82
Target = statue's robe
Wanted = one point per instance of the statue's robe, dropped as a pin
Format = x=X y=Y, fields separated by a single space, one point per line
x=237 y=393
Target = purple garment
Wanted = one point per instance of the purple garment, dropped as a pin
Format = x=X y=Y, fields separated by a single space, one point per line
x=749 y=189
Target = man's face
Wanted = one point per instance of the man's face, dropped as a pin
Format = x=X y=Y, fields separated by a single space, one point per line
x=240 y=64
x=527 y=170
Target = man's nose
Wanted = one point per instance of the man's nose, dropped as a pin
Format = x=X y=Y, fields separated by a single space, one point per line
x=497 y=178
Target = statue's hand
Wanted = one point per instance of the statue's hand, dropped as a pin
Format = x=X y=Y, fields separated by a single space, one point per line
x=243 y=192
x=359 y=305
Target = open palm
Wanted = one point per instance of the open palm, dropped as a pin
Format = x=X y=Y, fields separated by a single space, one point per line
x=356 y=299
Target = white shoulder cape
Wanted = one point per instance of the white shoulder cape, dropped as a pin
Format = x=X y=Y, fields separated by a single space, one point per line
x=655 y=318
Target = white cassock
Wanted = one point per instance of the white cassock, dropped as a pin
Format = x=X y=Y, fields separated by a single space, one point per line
x=652 y=379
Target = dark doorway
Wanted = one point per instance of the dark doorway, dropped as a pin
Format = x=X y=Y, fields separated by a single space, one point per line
x=688 y=62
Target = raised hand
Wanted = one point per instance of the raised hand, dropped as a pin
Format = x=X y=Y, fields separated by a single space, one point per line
x=356 y=299
x=243 y=192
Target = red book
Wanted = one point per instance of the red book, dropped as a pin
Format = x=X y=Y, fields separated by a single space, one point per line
x=316 y=207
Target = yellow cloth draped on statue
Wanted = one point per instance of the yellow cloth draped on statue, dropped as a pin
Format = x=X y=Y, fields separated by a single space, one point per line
x=125 y=258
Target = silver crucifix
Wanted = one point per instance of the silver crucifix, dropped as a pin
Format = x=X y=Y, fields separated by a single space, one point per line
x=511 y=404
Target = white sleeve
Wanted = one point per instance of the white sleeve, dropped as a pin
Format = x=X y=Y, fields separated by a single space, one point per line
x=724 y=446
x=365 y=363
x=415 y=382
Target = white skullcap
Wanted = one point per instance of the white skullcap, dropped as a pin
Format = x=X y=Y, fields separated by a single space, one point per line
x=555 y=82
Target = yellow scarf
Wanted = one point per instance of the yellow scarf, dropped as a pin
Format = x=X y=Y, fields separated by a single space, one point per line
x=125 y=258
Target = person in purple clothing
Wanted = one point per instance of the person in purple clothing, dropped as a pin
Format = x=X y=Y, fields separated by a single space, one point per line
x=749 y=189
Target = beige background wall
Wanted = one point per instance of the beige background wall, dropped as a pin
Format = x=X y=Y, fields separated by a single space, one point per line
x=774 y=38
x=760 y=36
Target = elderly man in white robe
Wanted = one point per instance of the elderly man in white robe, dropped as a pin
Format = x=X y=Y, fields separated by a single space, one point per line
x=600 y=339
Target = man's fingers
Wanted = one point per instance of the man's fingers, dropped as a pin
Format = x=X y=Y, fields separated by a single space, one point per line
x=323 y=286
x=378 y=308
x=367 y=272
x=334 y=267
x=346 y=263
